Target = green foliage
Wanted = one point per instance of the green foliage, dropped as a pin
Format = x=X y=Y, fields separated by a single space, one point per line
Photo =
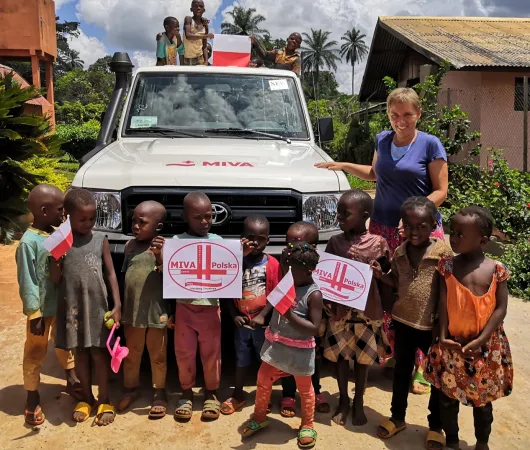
x=67 y=59
x=357 y=183
x=517 y=258
x=85 y=87
x=21 y=138
x=76 y=113
x=327 y=86
x=102 y=65
x=244 y=22
x=503 y=191
x=48 y=170
x=78 y=139
x=354 y=49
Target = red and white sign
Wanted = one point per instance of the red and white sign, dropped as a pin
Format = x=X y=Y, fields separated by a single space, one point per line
x=60 y=241
x=343 y=280
x=198 y=268
x=230 y=50
x=189 y=163
x=283 y=295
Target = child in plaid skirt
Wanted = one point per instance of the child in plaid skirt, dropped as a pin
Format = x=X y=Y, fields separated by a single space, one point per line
x=354 y=335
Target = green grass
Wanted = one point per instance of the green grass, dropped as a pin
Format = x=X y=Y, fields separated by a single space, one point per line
x=357 y=183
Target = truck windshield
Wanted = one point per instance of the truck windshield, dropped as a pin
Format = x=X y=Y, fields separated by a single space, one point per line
x=199 y=103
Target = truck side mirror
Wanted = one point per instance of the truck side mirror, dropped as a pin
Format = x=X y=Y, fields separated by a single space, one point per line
x=325 y=129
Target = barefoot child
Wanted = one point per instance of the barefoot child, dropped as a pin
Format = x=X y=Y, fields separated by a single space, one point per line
x=472 y=363
x=413 y=274
x=83 y=302
x=289 y=347
x=38 y=291
x=355 y=335
x=305 y=232
x=261 y=273
x=198 y=324
x=145 y=312
x=169 y=44
x=196 y=35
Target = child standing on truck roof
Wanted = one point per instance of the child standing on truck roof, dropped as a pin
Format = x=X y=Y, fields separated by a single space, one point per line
x=83 y=303
x=261 y=273
x=198 y=323
x=38 y=291
x=145 y=311
x=169 y=44
x=196 y=35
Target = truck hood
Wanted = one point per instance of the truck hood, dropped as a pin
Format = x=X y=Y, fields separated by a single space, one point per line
x=210 y=162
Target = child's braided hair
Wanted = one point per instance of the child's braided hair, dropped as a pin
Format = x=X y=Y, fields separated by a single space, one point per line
x=301 y=253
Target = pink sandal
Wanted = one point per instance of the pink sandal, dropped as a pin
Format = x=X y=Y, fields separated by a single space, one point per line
x=321 y=404
x=288 y=407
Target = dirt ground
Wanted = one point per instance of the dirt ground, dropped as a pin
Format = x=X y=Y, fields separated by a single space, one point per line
x=134 y=430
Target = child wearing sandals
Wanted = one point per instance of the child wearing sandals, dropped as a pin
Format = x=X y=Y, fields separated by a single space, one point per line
x=305 y=232
x=355 y=335
x=413 y=274
x=198 y=324
x=83 y=302
x=471 y=363
x=145 y=312
x=289 y=347
x=261 y=273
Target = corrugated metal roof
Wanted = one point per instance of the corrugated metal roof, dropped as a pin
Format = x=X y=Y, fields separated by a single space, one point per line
x=4 y=70
x=467 y=41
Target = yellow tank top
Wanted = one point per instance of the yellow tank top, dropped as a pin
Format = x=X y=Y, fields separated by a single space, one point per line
x=193 y=49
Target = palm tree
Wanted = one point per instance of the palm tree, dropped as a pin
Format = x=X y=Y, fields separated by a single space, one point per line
x=354 y=49
x=73 y=60
x=245 y=22
x=319 y=52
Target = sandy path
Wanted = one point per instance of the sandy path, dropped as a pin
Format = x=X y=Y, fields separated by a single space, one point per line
x=134 y=430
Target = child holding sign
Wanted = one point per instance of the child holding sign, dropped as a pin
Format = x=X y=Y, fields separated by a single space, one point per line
x=355 y=335
x=289 y=347
x=261 y=274
x=198 y=323
x=414 y=275
x=145 y=311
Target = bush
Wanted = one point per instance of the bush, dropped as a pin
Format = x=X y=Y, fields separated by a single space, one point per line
x=48 y=170
x=517 y=258
x=503 y=191
x=78 y=139
x=75 y=113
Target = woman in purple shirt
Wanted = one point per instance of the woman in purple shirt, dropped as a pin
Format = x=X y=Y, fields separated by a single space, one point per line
x=407 y=163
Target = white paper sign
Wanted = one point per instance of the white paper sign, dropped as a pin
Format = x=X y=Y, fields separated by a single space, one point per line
x=143 y=121
x=278 y=85
x=343 y=280
x=198 y=268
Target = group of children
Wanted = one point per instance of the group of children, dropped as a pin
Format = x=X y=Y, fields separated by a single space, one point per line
x=460 y=300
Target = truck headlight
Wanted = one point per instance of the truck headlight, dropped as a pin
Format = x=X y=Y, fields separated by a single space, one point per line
x=321 y=210
x=108 y=211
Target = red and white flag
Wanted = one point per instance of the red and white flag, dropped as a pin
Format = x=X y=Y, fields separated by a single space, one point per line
x=230 y=50
x=60 y=241
x=283 y=295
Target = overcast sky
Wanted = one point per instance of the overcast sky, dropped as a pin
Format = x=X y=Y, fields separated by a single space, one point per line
x=131 y=25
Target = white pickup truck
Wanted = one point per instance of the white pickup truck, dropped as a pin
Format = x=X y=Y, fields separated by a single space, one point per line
x=242 y=136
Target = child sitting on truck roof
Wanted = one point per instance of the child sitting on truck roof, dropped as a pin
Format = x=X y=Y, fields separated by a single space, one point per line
x=196 y=35
x=169 y=44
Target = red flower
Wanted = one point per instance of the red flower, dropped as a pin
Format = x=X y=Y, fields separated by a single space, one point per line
x=497 y=184
x=490 y=163
x=528 y=205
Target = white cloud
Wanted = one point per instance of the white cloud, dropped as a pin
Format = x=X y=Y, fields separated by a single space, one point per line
x=340 y=15
x=143 y=59
x=90 y=48
x=132 y=25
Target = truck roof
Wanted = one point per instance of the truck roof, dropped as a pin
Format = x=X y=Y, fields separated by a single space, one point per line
x=262 y=71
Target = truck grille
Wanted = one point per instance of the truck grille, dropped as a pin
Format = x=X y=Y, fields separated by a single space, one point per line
x=281 y=207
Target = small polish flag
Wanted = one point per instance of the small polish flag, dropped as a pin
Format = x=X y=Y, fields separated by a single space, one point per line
x=283 y=295
x=230 y=50
x=60 y=241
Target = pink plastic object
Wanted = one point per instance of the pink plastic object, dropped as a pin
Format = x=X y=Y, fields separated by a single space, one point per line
x=118 y=353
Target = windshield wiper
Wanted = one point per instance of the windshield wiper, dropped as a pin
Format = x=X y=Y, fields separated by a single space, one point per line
x=167 y=132
x=247 y=131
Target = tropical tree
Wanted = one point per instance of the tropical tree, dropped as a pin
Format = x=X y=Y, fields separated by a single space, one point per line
x=354 y=49
x=74 y=61
x=244 y=22
x=21 y=138
x=102 y=65
x=319 y=52
x=64 y=30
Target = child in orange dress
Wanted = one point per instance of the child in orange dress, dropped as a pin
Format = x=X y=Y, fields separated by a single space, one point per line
x=471 y=364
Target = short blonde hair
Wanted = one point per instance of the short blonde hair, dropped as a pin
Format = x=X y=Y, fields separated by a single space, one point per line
x=403 y=95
